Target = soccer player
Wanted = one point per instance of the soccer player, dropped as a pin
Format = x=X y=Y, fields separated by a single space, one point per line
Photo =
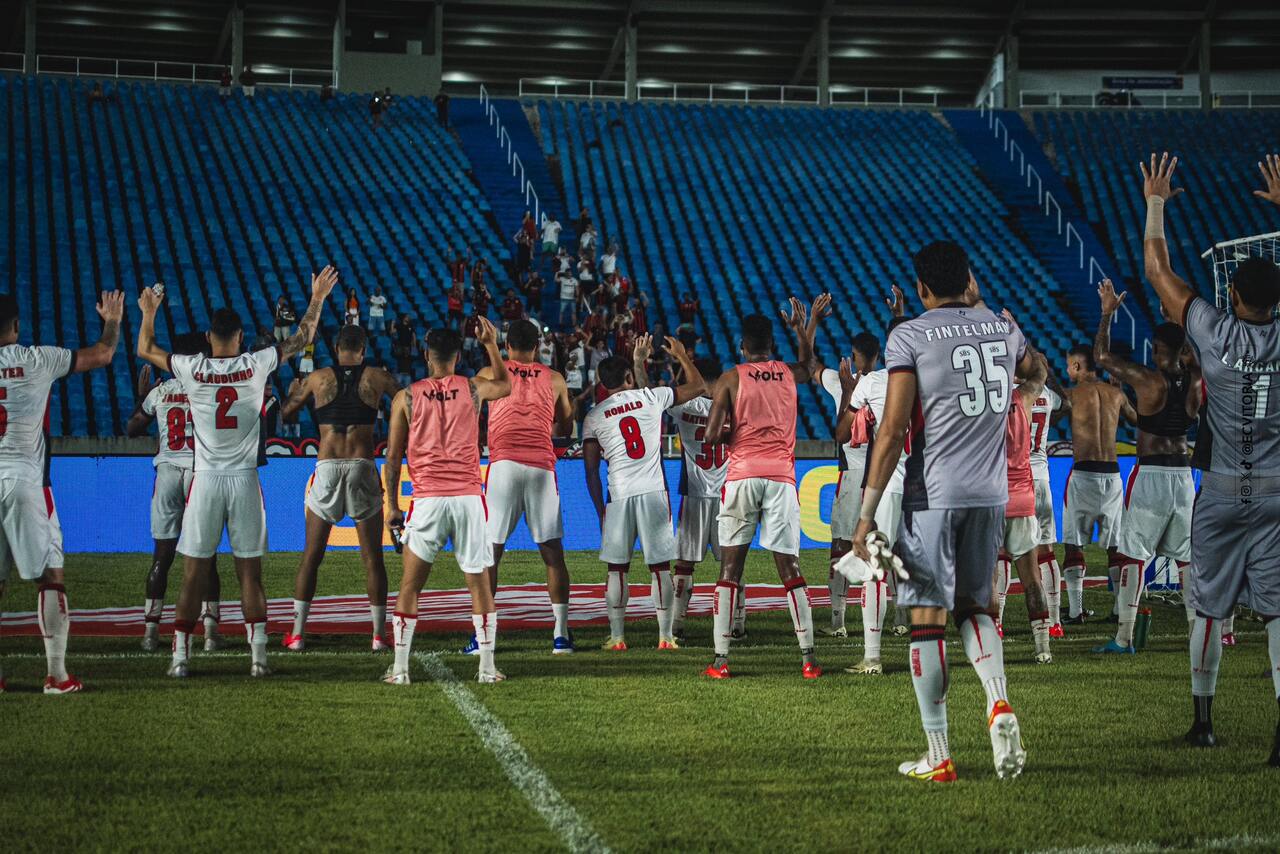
x=436 y=422
x=521 y=478
x=625 y=430
x=753 y=410
x=165 y=403
x=30 y=533
x=225 y=391
x=1235 y=532
x=1094 y=490
x=345 y=400
x=1043 y=411
x=703 y=467
x=951 y=376
x=1160 y=493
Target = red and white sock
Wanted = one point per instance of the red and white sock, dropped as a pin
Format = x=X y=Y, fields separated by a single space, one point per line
x=486 y=627
x=151 y=613
x=930 y=679
x=211 y=615
x=256 y=634
x=801 y=613
x=838 y=586
x=1003 y=567
x=1128 y=595
x=182 y=630
x=1206 y=655
x=683 y=580
x=722 y=616
x=663 y=594
x=55 y=625
x=301 y=608
x=616 y=595
x=378 y=620
x=403 y=625
x=1074 y=576
x=985 y=650
x=873 y=611
x=1051 y=581
x=1040 y=634
x=740 y=610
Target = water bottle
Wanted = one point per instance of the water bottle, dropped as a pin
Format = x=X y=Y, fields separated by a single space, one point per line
x=1141 y=629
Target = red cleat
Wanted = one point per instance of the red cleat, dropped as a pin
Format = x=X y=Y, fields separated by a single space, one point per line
x=713 y=672
x=70 y=685
x=380 y=644
x=1055 y=631
x=811 y=670
x=1000 y=629
x=1229 y=639
x=3 y=687
x=294 y=643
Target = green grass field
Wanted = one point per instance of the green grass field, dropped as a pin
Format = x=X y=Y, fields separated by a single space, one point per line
x=630 y=751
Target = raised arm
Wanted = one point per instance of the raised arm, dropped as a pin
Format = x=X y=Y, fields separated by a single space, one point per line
x=891 y=435
x=805 y=327
x=718 y=420
x=563 y=424
x=591 y=462
x=1175 y=294
x=694 y=385
x=98 y=355
x=843 y=430
x=397 y=439
x=299 y=392
x=148 y=349
x=1032 y=385
x=321 y=285
x=640 y=354
x=494 y=382
x=1128 y=372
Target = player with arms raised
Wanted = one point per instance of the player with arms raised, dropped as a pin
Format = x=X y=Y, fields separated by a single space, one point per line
x=950 y=387
x=30 y=534
x=625 y=430
x=753 y=410
x=345 y=400
x=1235 y=532
x=225 y=391
x=436 y=423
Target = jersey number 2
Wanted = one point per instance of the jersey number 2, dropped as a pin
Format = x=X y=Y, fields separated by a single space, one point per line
x=632 y=437
x=227 y=396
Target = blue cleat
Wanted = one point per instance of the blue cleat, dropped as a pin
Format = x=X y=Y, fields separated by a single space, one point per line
x=1113 y=648
x=472 y=647
x=563 y=646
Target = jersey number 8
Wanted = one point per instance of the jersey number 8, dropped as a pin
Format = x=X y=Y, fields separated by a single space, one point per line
x=632 y=437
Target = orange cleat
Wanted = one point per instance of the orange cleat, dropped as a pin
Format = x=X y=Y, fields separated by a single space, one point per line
x=70 y=685
x=668 y=643
x=811 y=670
x=1055 y=631
x=713 y=672
x=615 y=645
x=943 y=772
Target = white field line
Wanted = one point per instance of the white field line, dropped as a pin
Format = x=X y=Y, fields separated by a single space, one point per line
x=527 y=777
x=1224 y=843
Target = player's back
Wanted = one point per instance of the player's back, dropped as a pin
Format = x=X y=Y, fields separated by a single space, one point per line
x=705 y=463
x=226 y=396
x=1095 y=417
x=444 y=438
x=520 y=424
x=1022 y=488
x=26 y=375
x=763 y=440
x=628 y=427
x=167 y=402
x=1042 y=410
x=964 y=360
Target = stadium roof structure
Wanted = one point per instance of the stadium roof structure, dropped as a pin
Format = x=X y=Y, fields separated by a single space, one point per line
x=940 y=45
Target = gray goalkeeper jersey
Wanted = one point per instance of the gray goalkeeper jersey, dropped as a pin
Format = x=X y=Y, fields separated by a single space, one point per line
x=964 y=360
x=1241 y=362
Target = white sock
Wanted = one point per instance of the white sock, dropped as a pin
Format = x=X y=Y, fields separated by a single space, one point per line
x=301 y=608
x=873 y=610
x=1206 y=655
x=211 y=615
x=1128 y=595
x=722 y=619
x=55 y=625
x=1040 y=634
x=930 y=679
x=403 y=626
x=615 y=597
x=740 y=609
x=1184 y=579
x=486 y=627
x=560 y=612
x=1113 y=572
x=663 y=595
x=683 y=581
x=378 y=619
x=838 y=586
x=801 y=612
x=1229 y=625
x=986 y=653
x=153 y=610
x=1001 y=585
x=257 y=636
x=1051 y=581
x=181 y=645
x=1273 y=648
x=1074 y=576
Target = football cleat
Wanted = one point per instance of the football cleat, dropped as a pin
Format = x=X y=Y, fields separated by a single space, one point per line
x=738 y=634
x=563 y=646
x=867 y=667
x=1044 y=658
x=943 y=772
x=258 y=670
x=1006 y=741
x=713 y=672
x=294 y=643
x=3 y=687
x=615 y=645
x=380 y=644
x=1000 y=629
x=811 y=670
x=678 y=634
x=491 y=678
x=150 y=643
x=1229 y=639
x=1201 y=736
x=213 y=642
x=178 y=670
x=668 y=643
x=1078 y=619
x=70 y=685
x=1055 y=631
x=472 y=647
x=1113 y=648
x=391 y=677
x=841 y=632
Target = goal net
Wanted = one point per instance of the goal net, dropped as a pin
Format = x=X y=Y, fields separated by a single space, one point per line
x=1226 y=256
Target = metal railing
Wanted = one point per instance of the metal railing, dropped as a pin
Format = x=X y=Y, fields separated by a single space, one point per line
x=513 y=159
x=722 y=93
x=180 y=72
x=13 y=62
x=1051 y=208
x=1153 y=100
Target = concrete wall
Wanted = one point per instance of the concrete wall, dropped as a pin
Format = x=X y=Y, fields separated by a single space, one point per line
x=406 y=74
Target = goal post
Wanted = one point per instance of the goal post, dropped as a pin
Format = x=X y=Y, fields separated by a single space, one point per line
x=1227 y=255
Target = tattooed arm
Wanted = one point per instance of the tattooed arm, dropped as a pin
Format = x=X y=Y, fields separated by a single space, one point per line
x=321 y=285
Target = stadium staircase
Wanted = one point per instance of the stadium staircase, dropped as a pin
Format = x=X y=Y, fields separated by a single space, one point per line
x=1057 y=233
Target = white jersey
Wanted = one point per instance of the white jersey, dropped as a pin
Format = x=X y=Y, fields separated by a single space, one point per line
x=226 y=396
x=167 y=404
x=854 y=456
x=1041 y=414
x=871 y=391
x=26 y=375
x=705 y=463
x=628 y=426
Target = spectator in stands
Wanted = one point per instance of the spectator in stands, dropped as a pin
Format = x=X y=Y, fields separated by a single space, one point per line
x=263 y=340
x=479 y=273
x=547 y=349
x=285 y=318
x=307 y=360
x=470 y=342
x=524 y=255
x=376 y=108
x=377 y=312
x=639 y=308
x=597 y=322
x=326 y=93
x=621 y=293
x=575 y=366
x=403 y=348
x=587 y=284
x=458 y=269
x=455 y=296
x=563 y=262
x=480 y=299
x=248 y=82
x=598 y=353
x=582 y=222
x=569 y=294
x=352 y=317
x=96 y=95
x=441 y=101
x=587 y=242
x=608 y=261
x=530 y=227
x=551 y=236
x=512 y=308
x=688 y=336
x=688 y=308
x=533 y=289
x=224 y=84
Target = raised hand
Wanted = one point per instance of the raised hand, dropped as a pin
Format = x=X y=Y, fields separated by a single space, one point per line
x=798 y=316
x=111 y=305
x=676 y=348
x=487 y=333
x=1108 y=297
x=1157 y=177
x=848 y=379
x=643 y=349
x=1271 y=176
x=1008 y=316
x=146 y=381
x=322 y=283
x=897 y=305
x=821 y=308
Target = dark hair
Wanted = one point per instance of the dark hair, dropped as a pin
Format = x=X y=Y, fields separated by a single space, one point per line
x=1170 y=335
x=523 y=335
x=8 y=311
x=1257 y=281
x=189 y=344
x=943 y=268
x=1085 y=351
x=894 y=324
x=710 y=369
x=444 y=343
x=757 y=334
x=613 y=372
x=351 y=339
x=866 y=344
x=225 y=324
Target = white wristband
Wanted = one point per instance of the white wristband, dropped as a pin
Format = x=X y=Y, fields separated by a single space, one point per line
x=870 y=501
x=1155 y=219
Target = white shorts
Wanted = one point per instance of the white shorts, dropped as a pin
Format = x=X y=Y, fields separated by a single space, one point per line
x=697 y=529
x=513 y=490
x=30 y=536
x=1021 y=535
x=771 y=504
x=342 y=488
x=647 y=516
x=1044 y=513
x=231 y=500
x=847 y=504
x=168 y=500
x=1157 y=513
x=889 y=516
x=433 y=521
x=1092 y=497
